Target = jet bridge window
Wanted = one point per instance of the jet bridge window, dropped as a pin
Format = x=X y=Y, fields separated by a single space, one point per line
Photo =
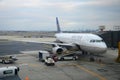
x=96 y=41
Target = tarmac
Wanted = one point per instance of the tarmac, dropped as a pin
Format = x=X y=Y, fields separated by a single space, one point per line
x=32 y=69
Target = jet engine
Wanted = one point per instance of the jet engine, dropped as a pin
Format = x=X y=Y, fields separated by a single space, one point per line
x=57 y=50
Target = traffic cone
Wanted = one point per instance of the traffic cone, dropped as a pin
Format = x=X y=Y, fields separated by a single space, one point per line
x=26 y=78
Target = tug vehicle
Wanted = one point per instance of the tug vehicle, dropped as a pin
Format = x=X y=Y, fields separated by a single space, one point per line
x=7 y=59
x=49 y=61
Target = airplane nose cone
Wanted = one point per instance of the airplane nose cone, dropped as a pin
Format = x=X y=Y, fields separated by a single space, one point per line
x=102 y=48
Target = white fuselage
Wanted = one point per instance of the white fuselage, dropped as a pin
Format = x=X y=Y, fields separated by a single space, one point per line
x=88 y=42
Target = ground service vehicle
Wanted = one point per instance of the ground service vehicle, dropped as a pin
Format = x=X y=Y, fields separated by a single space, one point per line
x=9 y=71
x=49 y=61
x=7 y=59
x=68 y=57
x=43 y=55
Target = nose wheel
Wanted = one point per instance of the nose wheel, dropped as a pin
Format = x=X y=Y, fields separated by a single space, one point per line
x=92 y=58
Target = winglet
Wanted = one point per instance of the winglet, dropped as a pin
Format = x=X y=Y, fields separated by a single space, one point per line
x=58 y=26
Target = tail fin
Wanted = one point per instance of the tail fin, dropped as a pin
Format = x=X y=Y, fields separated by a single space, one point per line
x=58 y=26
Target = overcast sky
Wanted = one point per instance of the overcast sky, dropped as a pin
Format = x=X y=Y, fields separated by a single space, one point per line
x=73 y=14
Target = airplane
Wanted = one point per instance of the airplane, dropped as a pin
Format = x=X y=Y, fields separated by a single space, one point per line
x=85 y=42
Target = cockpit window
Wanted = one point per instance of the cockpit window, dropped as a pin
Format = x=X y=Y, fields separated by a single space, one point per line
x=92 y=40
x=96 y=41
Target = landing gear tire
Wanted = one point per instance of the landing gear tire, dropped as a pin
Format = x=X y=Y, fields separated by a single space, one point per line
x=92 y=59
x=3 y=61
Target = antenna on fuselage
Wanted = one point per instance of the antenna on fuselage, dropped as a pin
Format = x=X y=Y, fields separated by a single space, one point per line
x=58 y=26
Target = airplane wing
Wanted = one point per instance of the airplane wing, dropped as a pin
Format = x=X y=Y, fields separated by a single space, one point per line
x=67 y=48
x=42 y=42
x=56 y=47
x=64 y=45
x=57 y=44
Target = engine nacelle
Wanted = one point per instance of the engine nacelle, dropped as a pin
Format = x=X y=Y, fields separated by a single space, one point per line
x=57 y=50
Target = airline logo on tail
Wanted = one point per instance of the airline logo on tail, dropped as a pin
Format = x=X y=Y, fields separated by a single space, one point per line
x=58 y=26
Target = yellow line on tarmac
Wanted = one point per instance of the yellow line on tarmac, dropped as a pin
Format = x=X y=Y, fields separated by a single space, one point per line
x=90 y=72
x=33 y=65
